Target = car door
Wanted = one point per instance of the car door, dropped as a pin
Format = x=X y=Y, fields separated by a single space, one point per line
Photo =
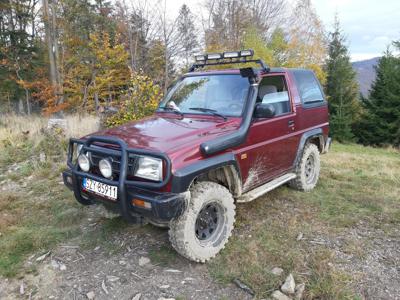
x=271 y=142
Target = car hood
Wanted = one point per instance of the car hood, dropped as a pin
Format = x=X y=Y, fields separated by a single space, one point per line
x=169 y=134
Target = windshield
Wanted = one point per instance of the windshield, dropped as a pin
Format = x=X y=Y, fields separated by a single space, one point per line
x=217 y=94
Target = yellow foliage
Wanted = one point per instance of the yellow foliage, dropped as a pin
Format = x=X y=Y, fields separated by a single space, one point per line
x=101 y=74
x=253 y=40
x=142 y=100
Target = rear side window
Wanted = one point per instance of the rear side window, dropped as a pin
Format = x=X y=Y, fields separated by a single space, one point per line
x=309 y=88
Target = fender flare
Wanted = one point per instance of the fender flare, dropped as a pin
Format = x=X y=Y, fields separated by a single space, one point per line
x=313 y=133
x=183 y=178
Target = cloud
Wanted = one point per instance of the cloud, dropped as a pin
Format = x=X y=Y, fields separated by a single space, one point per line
x=369 y=26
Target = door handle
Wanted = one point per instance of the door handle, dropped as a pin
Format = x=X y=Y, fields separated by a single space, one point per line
x=291 y=125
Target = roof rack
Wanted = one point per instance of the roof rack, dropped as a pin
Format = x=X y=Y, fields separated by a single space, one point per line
x=227 y=58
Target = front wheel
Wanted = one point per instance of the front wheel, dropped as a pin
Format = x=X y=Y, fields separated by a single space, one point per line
x=207 y=223
x=307 y=169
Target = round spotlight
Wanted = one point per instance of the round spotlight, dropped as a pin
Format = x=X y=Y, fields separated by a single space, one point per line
x=105 y=167
x=83 y=162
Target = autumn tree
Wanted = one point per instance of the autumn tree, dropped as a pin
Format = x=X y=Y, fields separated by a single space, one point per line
x=341 y=87
x=142 y=97
x=99 y=80
x=306 y=43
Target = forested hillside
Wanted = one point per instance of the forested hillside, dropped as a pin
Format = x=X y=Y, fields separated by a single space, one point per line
x=365 y=70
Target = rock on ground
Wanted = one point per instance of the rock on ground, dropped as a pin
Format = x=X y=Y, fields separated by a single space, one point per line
x=277 y=271
x=278 y=295
x=289 y=286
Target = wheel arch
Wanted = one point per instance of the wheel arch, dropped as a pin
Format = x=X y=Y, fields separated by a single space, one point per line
x=222 y=169
x=314 y=136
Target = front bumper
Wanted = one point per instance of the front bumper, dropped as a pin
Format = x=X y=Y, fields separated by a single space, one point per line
x=164 y=206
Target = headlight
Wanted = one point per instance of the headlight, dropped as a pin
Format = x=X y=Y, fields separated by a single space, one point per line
x=105 y=167
x=84 y=162
x=149 y=168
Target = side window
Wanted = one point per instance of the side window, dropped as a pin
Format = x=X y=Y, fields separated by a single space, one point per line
x=273 y=90
x=308 y=87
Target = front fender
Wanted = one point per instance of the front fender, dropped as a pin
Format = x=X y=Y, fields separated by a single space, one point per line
x=183 y=178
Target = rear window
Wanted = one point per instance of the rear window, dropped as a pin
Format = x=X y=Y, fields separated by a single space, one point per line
x=309 y=88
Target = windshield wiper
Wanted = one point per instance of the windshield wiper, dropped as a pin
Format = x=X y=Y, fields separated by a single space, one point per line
x=178 y=112
x=209 y=110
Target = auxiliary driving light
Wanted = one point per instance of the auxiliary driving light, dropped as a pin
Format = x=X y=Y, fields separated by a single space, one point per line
x=83 y=162
x=200 y=57
x=245 y=53
x=214 y=56
x=105 y=167
x=231 y=54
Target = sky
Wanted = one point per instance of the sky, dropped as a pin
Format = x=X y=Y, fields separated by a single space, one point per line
x=368 y=25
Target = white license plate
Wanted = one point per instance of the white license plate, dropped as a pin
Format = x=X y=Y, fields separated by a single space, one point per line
x=102 y=189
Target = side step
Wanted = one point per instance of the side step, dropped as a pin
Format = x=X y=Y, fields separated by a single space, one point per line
x=265 y=188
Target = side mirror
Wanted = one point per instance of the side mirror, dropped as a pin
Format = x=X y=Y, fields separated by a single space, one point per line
x=264 y=110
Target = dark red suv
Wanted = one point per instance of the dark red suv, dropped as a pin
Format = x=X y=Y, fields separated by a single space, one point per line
x=218 y=137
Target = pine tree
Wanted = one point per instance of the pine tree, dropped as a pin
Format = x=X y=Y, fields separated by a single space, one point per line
x=341 y=87
x=380 y=124
x=187 y=33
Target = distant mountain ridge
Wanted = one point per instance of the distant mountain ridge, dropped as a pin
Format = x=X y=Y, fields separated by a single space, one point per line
x=365 y=70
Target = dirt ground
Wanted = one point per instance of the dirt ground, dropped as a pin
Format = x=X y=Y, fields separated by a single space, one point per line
x=139 y=262
x=377 y=270
x=132 y=262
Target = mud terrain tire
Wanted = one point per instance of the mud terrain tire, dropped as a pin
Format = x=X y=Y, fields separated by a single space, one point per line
x=307 y=169
x=192 y=234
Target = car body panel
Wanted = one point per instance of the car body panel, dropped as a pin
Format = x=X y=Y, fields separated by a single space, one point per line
x=270 y=148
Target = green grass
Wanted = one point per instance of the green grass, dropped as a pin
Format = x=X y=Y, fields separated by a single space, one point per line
x=37 y=212
x=357 y=183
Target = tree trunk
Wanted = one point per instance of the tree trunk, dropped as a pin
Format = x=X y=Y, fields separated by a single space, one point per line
x=96 y=102
x=49 y=35
x=59 y=87
x=166 y=71
x=166 y=49
x=20 y=106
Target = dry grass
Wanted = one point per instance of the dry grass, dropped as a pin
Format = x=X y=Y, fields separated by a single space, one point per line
x=12 y=126
x=36 y=211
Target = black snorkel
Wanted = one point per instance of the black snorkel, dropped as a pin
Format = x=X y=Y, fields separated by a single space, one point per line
x=239 y=136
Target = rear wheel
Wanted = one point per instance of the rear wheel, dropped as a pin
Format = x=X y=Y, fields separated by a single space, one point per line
x=307 y=169
x=207 y=223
